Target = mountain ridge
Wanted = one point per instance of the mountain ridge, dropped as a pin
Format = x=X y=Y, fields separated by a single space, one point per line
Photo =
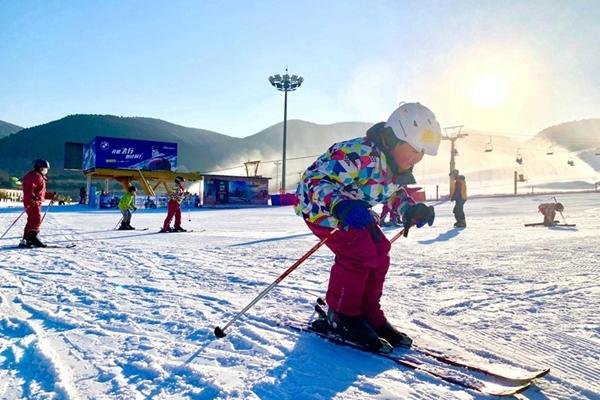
x=6 y=128
x=204 y=150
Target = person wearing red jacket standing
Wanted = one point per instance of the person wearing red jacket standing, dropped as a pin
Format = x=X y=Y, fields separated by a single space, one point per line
x=34 y=193
x=176 y=196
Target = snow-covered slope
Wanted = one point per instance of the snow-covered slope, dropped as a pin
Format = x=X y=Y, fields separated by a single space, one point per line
x=130 y=315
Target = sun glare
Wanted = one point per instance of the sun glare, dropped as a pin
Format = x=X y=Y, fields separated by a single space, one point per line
x=489 y=91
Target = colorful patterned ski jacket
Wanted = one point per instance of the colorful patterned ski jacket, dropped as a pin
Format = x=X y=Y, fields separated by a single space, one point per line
x=354 y=169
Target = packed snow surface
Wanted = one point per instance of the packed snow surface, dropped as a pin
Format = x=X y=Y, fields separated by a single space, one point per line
x=130 y=314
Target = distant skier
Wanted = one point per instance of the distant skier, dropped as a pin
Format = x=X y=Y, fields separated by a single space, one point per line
x=34 y=193
x=82 y=195
x=126 y=204
x=459 y=196
x=338 y=191
x=176 y=196
x=548 y=210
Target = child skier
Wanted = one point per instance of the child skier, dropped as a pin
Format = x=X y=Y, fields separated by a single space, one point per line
x=34 y=193
x=126 y=204
x=459 y=196
x=338 y=191
x=548 y=210
x=174 y=207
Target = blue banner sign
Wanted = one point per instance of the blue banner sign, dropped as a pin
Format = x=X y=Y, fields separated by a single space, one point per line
x=109 y=152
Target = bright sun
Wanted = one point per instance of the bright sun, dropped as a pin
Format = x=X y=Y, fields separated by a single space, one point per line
x=489 y=91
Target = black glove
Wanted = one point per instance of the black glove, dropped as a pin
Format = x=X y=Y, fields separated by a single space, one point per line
x=353 y=213
x=418 y=214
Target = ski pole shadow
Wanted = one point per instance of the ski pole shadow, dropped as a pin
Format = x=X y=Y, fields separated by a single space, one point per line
x=272 y=239
x=443 y=237
x=317 y=369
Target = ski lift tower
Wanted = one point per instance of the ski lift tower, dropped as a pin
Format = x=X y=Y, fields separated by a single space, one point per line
x=452 y=133
x=285 y=83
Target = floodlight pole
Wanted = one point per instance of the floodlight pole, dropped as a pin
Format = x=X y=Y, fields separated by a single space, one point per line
x=285 y=83
x=282 y=190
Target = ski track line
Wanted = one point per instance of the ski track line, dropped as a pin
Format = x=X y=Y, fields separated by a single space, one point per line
x=42 y=349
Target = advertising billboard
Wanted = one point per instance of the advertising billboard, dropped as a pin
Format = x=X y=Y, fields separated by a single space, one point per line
x=119 y=153
x=239 y=191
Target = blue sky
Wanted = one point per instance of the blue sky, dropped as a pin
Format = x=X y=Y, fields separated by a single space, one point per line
x=501 y=66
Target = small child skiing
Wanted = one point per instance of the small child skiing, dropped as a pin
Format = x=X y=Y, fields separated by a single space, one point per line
x=338 y=191
x=548 y=210
x=34 y=193
x=126 y=204
x=176 y=196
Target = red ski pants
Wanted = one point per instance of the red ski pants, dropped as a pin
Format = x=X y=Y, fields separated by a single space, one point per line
x=34 y=219
x=173 y=209
x=358 y=272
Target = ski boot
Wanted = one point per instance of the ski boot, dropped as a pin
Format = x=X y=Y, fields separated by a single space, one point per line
x=393 y=336
x=461 y=224
x=123 y=227
x=178 y=229
x=33 y=241
x=357 y=330
x=130 y=228
x=24 y=244
x=163 y=230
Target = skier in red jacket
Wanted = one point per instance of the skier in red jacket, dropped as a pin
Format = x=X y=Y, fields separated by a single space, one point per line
x=34 y=193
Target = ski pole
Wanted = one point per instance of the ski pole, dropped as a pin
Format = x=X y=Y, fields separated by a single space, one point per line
x=14 y=222
x=189 y=212
x=220 y=332
x=396 y=236
x=561 y=214
x=47 y=208
x=119 y=223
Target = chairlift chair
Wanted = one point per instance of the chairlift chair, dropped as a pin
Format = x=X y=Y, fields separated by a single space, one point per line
x=488 y=147
x=519 y=159
x=571 y=162
x=550 y=151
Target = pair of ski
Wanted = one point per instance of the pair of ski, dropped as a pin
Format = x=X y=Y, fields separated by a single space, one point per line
x=507 y=382
x=49 y=246
x=554 y=224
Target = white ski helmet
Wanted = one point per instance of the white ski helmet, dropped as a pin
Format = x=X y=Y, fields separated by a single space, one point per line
x=416 y=125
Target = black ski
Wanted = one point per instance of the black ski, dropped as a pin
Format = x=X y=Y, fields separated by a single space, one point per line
x=508 y=373
x=49 y=246
x=446 y=374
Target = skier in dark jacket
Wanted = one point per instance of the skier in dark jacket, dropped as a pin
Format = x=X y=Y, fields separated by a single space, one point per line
x=459 y=196
x=34 y=193
x=338 y=191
